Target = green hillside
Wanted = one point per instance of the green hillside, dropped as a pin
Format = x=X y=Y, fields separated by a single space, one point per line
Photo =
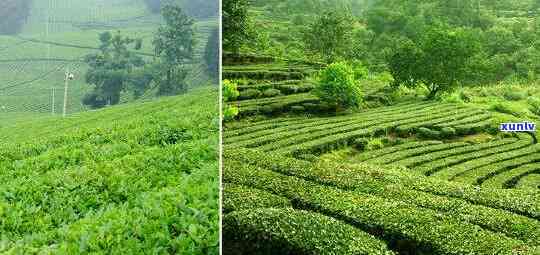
x=398 y=171
x=131 y=179
x=33 y=63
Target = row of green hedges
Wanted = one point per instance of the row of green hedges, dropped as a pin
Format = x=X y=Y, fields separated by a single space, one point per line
x=449 y=152
x=404 y=226
x=289 y=231
x=238 y=198
x=436 y=165
x=360 y=176
x=263 y=75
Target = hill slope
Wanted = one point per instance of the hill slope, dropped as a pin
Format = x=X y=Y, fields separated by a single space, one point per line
x=130 y=179
x=34 y=62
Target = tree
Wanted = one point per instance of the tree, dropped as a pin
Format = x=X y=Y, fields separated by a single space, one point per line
x=330 y=35
x=174 y=44
x=237 y=25
x=338 y=87
x=111 y=69
x=438 y=61
x=211 y=54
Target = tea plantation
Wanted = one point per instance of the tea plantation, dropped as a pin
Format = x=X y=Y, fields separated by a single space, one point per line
x=411 y=177
x=131 y=179
x=57 y=35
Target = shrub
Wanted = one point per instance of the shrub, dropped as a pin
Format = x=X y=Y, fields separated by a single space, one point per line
x=230 y=91
x=230 y=112
x=337 y=86
x=448 y=132
x=426 y=133
x=249 y=94
x=375 y=144
x=360 y=71
x=403 y=131
x=271 y=93
x=360 y=143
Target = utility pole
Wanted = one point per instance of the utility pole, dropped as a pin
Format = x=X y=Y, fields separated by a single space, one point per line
x=52 y=105
x=69 y=76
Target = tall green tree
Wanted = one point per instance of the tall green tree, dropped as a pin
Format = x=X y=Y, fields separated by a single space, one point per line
x=174 y=44
x=211 y=54
x=437 y=61
x=330 y=35
x=237 y=25
x=112 y=69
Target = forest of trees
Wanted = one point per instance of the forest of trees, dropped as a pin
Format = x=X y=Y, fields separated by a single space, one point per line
x=484 y=41
x=13 y=15
x=116 y=68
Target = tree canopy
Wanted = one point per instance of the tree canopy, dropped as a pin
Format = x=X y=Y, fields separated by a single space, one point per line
x=174 y=46
x=438 y=60
x=237 y=25
x=112 y=69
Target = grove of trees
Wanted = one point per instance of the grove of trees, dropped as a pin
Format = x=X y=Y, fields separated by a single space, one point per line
x=117 y=67
x=438 y=44
x=111 y=70
x=237 y=25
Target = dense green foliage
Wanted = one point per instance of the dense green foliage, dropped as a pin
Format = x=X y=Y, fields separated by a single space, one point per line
x=438 y=61
x=212 y=54
x=229 y=93
x=330 y=35
x=237 y=25
x=129 y=179
x=113 y=70
x=410 y=210
x=423 y=176
x=269 y=232
x=174 y=44
x=338 y=86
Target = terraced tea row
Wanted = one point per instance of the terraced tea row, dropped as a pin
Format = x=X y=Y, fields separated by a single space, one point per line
x=273 y=104
x=314 y=135
x=496 y=163
x=404 y=210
